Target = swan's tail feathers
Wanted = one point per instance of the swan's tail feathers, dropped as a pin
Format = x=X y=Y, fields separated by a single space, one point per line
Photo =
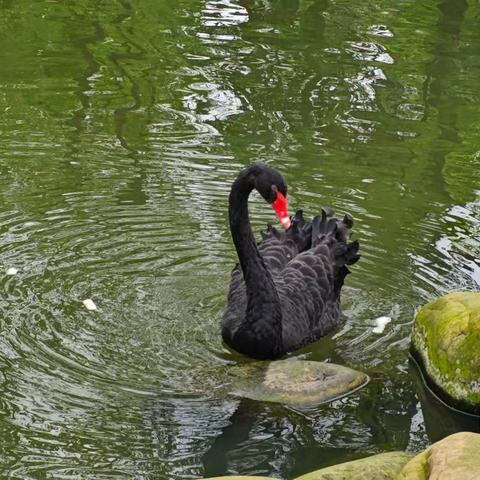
x=326 y=225
x=344 y=230
x=346 y=253
x=298 y=222
x=270 y=232
x=300 y=232
x=323 y=225
x=329 y=230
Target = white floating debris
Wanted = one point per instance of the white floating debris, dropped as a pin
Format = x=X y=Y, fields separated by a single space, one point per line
x=89 y=305
x=12 y=271
x=380 y=323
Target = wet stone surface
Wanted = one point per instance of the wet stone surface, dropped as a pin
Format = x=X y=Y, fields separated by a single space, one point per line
x=298 y=383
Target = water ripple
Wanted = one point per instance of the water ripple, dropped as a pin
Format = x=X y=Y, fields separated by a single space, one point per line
x=123 y=126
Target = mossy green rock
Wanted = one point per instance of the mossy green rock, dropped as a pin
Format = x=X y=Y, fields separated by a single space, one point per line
x=297 y=382
x=385 y=466
x=446 y=340
x=456 y=457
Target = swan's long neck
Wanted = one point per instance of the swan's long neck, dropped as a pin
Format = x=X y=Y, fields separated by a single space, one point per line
x=263 y=321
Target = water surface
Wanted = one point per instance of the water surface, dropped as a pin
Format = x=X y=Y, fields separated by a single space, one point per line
x=122 y=126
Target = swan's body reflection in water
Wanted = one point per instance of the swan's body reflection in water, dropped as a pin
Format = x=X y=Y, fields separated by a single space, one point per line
x=236 y=433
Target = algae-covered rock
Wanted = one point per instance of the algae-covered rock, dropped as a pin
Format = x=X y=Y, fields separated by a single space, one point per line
x=446 y=342
x=456 y=457
x=385 y=466
x=298 y=382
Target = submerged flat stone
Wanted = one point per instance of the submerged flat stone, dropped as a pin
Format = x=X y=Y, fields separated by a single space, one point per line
x=456 y=457
x=298 y=382
x=446 y=343
x=385 y=466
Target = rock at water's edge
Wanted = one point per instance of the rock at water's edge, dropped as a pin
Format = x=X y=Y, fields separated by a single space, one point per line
x=385 y=466
x=298 y=382
x=456 y=457
x=446 y=342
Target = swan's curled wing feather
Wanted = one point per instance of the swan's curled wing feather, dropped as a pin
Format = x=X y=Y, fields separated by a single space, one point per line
x=308 y=265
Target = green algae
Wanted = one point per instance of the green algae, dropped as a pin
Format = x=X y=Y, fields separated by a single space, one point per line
x=446 y=339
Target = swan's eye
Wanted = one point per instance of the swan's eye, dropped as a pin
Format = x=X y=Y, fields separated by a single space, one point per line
x=281 y=190
x=274 y=194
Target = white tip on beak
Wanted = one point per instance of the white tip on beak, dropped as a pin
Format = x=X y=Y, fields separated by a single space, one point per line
x=285 y=221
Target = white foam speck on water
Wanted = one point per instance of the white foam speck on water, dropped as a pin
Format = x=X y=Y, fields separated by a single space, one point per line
x=89 y=304
x=380 y=324
x=11 y=271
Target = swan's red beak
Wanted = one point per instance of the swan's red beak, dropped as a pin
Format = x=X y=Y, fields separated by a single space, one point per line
x=280 y=207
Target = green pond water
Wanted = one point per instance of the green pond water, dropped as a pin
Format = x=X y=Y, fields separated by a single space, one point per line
x=122 y=126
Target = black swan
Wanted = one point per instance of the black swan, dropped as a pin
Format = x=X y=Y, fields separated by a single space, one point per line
x=286 y=291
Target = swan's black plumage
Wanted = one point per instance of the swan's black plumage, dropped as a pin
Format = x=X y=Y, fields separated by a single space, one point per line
x=285 y=293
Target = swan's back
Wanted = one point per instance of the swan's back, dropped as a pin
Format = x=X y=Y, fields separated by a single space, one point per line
x=277 y=249
x=311 y=283
x=308 y=264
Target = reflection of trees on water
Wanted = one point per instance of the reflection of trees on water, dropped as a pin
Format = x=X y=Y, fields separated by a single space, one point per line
x=249 y=74
x=457 y=250
x=442 y=77
x=171 y=105
x=214 y=98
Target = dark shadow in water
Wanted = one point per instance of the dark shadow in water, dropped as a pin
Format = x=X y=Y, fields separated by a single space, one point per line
x=215 y=461
x=440 y=420
x=386 y=408
x=238 y=449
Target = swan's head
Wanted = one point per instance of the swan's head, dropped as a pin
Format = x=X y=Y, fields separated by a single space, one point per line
x=273 y=188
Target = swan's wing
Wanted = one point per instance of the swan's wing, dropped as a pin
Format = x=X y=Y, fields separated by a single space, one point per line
x=309 y=286
x=279 y=248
